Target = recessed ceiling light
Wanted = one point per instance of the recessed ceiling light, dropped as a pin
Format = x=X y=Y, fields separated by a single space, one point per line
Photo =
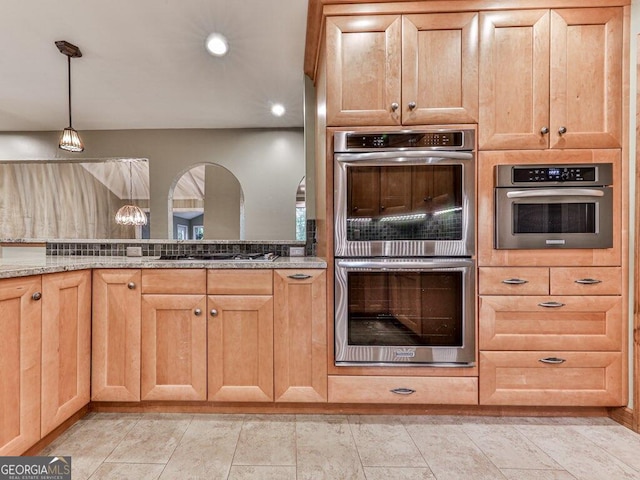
x=278 y=109
x=217 y=44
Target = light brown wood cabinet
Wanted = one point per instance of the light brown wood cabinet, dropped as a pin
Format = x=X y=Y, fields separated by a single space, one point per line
x=20 y=364
x=551 y=336
x=300 y=335
x=240 y=335
x=66 y=346
x=551 y=79
x=116 y=323
x=174 y=335
x=402 y=70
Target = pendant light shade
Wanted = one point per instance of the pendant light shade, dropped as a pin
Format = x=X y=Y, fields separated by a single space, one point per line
x=130 y=214
x=69 y=140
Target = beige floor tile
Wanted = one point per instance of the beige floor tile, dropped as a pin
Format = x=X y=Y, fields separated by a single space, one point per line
x=398 y=473
x=451 y=454
x=519 y=474
x=250 y=472
x=90 y=441
x=206 y=449
x=127 y=471
x=577 y=454
x=152 y=440
x=619 y=441
x=326 y=449
x=506 y=447
x=267 y=440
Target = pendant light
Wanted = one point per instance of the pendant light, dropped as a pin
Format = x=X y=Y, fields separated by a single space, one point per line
x=69 y=140
x=130 y=214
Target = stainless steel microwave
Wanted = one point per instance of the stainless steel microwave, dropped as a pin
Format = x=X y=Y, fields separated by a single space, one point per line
x=554 y=206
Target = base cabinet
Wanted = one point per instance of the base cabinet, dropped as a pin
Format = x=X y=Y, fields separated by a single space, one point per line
x=20 y=315
x=300 y=335
x=66 y=346
x=115 y=353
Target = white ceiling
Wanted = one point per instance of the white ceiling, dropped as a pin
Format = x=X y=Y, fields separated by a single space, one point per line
x=144 y=64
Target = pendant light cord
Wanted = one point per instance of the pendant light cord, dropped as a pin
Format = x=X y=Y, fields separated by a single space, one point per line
x=69 y=77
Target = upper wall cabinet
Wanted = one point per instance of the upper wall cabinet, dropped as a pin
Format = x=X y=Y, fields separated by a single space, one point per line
x=551 y=79
x=402 y=70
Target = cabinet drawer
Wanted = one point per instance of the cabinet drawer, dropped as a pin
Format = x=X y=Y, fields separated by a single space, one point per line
x=521 y=378
x=513 y=281
x=175 y=280
x=239 y=282
x=586 y=281
x=576 y=323
x=433 y=390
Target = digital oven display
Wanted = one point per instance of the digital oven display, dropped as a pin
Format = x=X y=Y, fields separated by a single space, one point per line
x=405 y=140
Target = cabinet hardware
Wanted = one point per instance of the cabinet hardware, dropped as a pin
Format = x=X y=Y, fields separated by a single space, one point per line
x=551 y=304
x=214 y=312
x=412 y=105
x=394 y=106
x=588 y=281
x=552 y=360
x=299 y=276
x=515 y=281
x=562 y=131
x=403 y=391
x=544 y=130
x=131 y=285
x=197 y=312
x=36 y=296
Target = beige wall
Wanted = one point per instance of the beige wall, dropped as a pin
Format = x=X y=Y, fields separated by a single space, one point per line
x=268 y=163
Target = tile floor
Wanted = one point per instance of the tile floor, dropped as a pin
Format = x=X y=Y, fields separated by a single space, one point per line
x=342 y=447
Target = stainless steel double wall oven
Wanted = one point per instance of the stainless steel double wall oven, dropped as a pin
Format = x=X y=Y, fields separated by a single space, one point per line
x=404 y=242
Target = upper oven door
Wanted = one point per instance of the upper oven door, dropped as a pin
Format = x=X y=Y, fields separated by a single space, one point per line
x=404 y=204
x=563 y=217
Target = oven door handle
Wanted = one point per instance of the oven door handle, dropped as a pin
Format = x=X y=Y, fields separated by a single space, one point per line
x=433 y=156
x=555 y=192
x=402 y=265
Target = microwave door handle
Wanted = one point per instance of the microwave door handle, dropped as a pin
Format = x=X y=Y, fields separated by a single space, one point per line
x=555 y=192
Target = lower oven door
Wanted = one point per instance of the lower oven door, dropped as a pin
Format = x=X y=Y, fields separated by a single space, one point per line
x=396 y=311
x=531 y=218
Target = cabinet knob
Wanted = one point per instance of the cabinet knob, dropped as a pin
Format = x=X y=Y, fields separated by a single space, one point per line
x=394 y=106
x=382 y=207
x=36 y=296
x=412 y=105
x=214 y=312
x=355 y=209
x=197 y=312
x=544 y=130
x=131 y=286
x=562 y=131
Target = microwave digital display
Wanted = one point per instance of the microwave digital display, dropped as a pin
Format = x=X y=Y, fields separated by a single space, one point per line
x=554 y=174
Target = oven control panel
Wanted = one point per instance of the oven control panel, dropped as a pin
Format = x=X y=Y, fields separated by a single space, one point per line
x=554 y=174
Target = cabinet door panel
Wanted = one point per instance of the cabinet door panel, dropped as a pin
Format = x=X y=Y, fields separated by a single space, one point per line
x=300 y=336
x=19 y=365
x=440 y=68
x=586 y=77
x=364 y=192
x=363 y=70
x=66 y=346
x=514 y=79
x=174 y=347
x=240 y=363
x=395 y=190
x=115 y=365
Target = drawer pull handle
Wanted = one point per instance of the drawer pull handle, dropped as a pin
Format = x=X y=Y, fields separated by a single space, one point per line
x=299 y=276
x=552 y=360
x=403 y=391
x=515 y=281
x=551 y=304
x=588 y=281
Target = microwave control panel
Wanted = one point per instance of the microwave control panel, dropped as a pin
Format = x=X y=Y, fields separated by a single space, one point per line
x=554 y=174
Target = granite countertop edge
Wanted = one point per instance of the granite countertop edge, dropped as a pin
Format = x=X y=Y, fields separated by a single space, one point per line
x=53 y=264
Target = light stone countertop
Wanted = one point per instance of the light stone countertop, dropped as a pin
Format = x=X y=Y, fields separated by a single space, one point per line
x=10 y=268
